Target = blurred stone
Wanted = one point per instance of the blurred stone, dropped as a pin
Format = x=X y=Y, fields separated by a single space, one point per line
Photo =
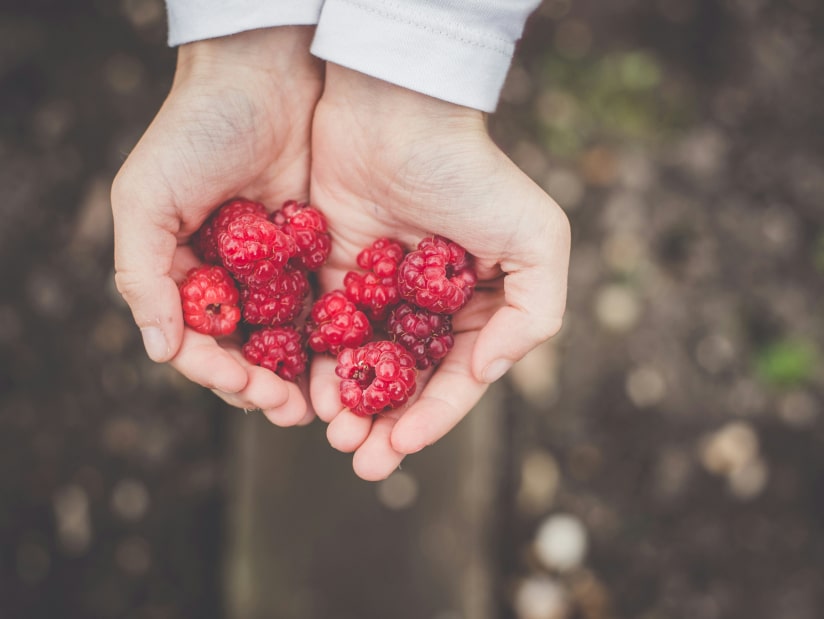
x=530 y=158
x=748 y=481
x=799 y=409
x=599 y=166
x=157 y=440
x=540 y=597
x=730 y=105
x=555 y=9
x=747 y=397
x=625 y=211
x=398 y=491
x=143 y=13
x=119 y=379
x=11 y=327
x=590 y=596
x=32 y=562
x=561 y=542
x=672 y=472
x=635 y=170
x=556 y=108
x=71 y=511
x=540 y=480
x=565 y=187
x=714 y=353
x=573 y=38
x=780 y=228
x=518 y=86
x=585 y=461
x=645 y=386
x=622 y=252
x=703 y=152
x=130 y=499
x=48 y=296
x=112 y=332
x=93 y=228
x=535 y=376
x=124 y=74
x=617 y=308
x=53 y=119
x=729 y=449
x=120 y=436
x=133 y=555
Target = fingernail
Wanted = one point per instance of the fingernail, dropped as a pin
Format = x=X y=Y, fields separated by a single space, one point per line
x=496 y=369
x=155 y=343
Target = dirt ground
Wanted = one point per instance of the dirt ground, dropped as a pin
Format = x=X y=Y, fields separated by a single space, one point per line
x=672 y=432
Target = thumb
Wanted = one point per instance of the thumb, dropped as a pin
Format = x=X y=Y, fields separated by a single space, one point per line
x=535 y=284
x=145 y=237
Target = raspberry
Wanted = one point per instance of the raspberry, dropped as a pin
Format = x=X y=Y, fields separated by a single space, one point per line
x=278 y=349
x=209 y=298
x=205 y=239
x=438 y=276
x=376 y=377
x=254 y=249
x=425 y=334
x=376 y=291
x=307 y=227
x=335 y=323
x=276 y=302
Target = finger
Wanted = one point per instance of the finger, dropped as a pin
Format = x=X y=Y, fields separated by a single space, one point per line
x=447 y=398
x=203 y=361
x=535 y=295
x=347 y=431
x=292 y=411
x=145 y=243
x=263 y=390
x=324 y=387
x=375 y=459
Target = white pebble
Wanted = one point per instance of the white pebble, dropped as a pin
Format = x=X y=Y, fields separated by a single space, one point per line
x=561 y=542
x=540 y=597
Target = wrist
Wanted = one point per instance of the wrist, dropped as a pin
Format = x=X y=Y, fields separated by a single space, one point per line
x=281 y=53
x=376 y=100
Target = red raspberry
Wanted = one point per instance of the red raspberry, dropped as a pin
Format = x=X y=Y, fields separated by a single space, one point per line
x=335 y=323
x=278 y=349
x=204 y=241
x=376 y=291
x=254 y=249
x=307 y=227
x=276 y=302
x=209 y=298
x=438 y=276
x=425 y=334
x=376 y=377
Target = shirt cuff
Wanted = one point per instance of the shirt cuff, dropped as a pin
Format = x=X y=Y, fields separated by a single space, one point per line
x=195 y=20
x=434 y=52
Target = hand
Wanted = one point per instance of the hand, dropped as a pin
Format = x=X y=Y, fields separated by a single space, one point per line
x=390 y=162
x=237 y=122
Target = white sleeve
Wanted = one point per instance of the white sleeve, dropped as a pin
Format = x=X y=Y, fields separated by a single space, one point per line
x=194 y=20
x=455 y=50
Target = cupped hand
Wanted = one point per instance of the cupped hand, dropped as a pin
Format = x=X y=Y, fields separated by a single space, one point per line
x=237 y=122
x=388 y=162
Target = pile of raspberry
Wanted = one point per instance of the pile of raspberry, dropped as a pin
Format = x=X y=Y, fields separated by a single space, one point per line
x=389 y=320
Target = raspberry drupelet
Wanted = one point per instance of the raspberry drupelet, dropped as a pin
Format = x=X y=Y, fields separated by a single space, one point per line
x=204 y=241
x=377 y=377
x=278 y=349
x=210 y=300
x=307 y=227
x=335 y=323
x=376 y=291
x=439 y=276
x=254 y=249
x=425 y=334
x=276 y=302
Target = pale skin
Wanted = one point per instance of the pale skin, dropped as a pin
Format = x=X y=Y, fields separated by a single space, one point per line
x=379 y=160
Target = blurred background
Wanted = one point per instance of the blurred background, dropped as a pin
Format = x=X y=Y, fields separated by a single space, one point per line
x=662 y=458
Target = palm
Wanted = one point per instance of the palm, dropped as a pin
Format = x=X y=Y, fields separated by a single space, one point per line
x=408 y=184
x=213 y=140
